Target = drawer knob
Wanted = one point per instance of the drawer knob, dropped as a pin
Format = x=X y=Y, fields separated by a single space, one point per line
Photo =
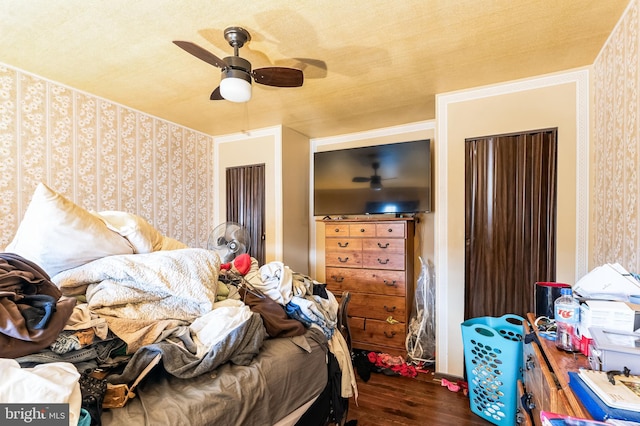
x=530 y=363
x=390 y=335
x=361 y=229
x=390 y=283
x=383 y=246
x=383 y=262
x=337 y=279
x=529 y=402
x=392 y=309
x=336 y=230
x=341 y=260
x=389 y=230
x=343 y=245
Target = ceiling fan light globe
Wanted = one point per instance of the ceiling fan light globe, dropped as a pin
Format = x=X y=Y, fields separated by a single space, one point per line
x=235 y=89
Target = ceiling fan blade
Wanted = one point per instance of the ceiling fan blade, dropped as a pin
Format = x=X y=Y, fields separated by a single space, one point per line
x=215 y=95
x=278 y=76
x=201 y=53
x=360 y=179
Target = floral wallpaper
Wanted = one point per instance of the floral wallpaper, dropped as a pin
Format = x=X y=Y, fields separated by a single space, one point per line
x=102 y=156
x=615 y=195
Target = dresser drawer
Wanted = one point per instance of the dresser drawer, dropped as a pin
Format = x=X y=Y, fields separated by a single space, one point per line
x=336 y=230
x=539 y=381
x=379 y=333
x=390 y=230
x=377 y=307
x=362 y=230
x=523 y=418
x=390 y=283
x=341 y=244
x=384 y=245
x=533 y=379
x=377 y=260
x=344 y=258
x=546 y=374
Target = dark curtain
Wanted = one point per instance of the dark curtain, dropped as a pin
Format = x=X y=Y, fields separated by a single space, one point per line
x=246 y=203
x=510 y=224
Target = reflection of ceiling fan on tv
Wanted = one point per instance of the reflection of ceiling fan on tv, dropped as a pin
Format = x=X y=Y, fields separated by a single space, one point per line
x=375 y=180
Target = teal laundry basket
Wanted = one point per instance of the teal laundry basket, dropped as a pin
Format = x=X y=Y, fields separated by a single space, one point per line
x=493 y=363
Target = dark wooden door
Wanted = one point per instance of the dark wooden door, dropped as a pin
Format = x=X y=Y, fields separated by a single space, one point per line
x=246 y=204
x=510 y=226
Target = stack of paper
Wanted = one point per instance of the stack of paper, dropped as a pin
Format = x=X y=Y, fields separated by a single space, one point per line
x=607 y=282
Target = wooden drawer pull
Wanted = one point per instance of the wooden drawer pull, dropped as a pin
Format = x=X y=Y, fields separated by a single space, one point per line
x=389 y=230
x=393 y=309
x=343 y=245
x=346 y=259
x=390 y=336
x=337 y=279
x=361 y=229
x=390 y=283
x=383 y=262
x=383 y=247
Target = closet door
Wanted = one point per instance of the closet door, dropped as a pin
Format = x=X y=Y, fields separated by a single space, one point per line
x=510 y=227
x=246 y=204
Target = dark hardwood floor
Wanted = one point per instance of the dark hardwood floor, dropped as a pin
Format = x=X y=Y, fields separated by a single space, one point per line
x=397 y=401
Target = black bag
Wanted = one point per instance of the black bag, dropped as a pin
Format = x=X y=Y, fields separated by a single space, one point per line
x=93 y=391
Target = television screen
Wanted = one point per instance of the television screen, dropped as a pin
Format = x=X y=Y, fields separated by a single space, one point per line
x=392 y=178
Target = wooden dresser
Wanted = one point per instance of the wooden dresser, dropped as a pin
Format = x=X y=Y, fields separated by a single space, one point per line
x=373 y=259
x=545 y=383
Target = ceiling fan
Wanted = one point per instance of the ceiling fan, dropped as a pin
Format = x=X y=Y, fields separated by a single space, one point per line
x=237 y=75
x=375 y=180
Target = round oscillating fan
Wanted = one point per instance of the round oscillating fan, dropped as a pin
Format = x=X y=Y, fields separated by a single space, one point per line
x=229 y=239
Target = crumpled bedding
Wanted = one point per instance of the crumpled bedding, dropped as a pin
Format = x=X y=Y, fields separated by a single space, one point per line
x=177 y=284
x=181 y=358
x=163 y=303
x=286 y=373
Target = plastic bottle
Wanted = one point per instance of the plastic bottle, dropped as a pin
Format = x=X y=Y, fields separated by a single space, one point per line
x=567 y=316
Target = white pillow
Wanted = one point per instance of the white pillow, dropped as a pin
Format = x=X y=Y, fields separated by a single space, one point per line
x=57 y=234
x=143 y=237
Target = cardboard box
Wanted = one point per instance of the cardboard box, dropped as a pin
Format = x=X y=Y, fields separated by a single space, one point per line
x=612 y=315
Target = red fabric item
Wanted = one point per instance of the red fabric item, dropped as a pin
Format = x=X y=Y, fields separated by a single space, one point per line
x=242 y=263
x=393 y=363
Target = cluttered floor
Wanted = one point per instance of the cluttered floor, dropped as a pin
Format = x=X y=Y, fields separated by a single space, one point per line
x=410 y=395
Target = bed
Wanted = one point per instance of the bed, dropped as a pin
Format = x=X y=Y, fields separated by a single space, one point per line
x=193 y=341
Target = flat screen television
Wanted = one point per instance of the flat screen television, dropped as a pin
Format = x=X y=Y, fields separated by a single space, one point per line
x=391 y=178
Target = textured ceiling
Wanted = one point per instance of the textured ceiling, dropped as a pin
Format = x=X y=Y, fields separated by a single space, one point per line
x=367 y=64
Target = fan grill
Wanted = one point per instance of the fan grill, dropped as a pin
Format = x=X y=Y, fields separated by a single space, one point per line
x=228 y=240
